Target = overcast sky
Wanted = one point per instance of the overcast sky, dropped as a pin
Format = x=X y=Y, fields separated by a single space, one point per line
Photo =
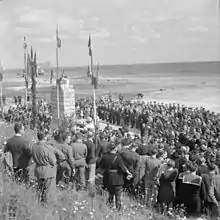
x=123 y=31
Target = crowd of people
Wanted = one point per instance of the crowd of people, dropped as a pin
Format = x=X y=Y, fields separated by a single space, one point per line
x=23 y=114
x=174 y=160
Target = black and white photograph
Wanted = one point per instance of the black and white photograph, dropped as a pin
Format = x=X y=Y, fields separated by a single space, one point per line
x=110 y=109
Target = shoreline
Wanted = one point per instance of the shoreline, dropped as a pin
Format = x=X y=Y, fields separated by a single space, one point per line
x=190 y=104
x=150 y=94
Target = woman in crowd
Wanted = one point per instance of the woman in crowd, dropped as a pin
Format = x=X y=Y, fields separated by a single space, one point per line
x=167 y=188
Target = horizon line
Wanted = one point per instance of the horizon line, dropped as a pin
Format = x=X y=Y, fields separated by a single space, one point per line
x=123 y=64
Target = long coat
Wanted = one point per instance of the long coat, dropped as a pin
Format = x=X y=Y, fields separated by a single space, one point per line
x=132 y=161
x=192 y=193
x=167 y=190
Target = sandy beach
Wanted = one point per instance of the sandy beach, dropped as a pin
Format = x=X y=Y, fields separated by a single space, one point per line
x=190 y=89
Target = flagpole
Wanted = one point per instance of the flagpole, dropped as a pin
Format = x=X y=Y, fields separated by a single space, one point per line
x=25 y=69
x=1 y=88
x=57 y=61
x=93 y=86
x=1 y=94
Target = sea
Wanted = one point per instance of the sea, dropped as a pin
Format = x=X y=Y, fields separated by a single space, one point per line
x=194 y=84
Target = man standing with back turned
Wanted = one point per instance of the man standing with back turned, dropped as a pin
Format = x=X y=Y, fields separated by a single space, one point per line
x=21 y=152
x=46 y=158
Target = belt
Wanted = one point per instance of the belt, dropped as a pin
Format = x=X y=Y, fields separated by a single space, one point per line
x=113 y=171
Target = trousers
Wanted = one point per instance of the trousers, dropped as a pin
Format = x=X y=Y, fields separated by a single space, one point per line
x=115 y=191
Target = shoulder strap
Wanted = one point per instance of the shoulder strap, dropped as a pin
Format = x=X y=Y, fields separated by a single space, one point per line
x=113 y=161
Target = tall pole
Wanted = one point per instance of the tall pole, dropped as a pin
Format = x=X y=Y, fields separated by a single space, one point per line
x=1 y=101
x=25 y=70
x=33 y=87
x=93 y=86
x=58 y=83
x=58 y=98
x=94 y=106
x=1 y=69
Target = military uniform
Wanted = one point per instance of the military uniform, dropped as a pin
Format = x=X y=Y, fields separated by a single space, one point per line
x=113 y=181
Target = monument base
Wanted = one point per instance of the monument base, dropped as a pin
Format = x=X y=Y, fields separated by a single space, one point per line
x=66 y=99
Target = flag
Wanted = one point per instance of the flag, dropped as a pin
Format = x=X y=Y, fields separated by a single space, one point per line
x=35 y=64
x=59 y=43
x=28 y=65
x=26 y=81
x=95 y=78
x=25 y=44
x=51 y=75
x=97 y=75
x=90 y=46
x=31 y=54
x=1 y=73
x=89 y=72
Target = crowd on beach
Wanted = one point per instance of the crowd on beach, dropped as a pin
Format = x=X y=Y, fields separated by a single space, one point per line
x=167 y=154
x=21 y=113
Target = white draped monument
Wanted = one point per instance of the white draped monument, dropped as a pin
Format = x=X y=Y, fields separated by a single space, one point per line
x=66 y=99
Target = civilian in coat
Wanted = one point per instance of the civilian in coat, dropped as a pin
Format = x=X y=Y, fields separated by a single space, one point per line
x=21 y=152
x=167 y=188
x=114 y=170
x=132 y=161
x=207 y=179
x=46 y=158
x=151 y=171
x=90 y=159
x=214 y=194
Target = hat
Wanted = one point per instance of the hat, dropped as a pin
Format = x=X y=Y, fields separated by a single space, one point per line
x=117 y=141
x=111 y=146
x=90 y=134
x=102 y=135
x=203 y=147
x=125 y=142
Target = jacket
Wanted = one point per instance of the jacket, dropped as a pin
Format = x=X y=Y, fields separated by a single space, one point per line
x=46 y=156
x=21 y=151
x=79 y=151
x=113 y=171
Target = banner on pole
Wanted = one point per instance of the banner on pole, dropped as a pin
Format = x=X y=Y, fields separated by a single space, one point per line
x=1 y=73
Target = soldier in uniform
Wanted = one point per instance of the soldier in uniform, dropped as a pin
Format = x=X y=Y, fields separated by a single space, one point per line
x=114 y=170
x=118 y=116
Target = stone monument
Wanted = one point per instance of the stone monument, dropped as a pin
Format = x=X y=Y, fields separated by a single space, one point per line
x=66 y=99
